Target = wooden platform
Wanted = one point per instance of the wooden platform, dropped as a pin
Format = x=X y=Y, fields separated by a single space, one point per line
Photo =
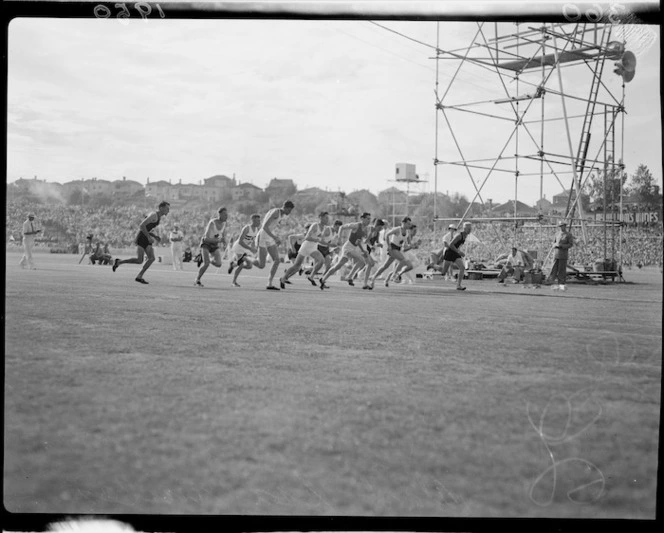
x=604 y=275
x=482 y=274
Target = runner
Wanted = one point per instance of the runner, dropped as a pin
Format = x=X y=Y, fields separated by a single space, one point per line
x=436 y=257
x=352 y=248
x=454 y=256
x=370 y=242
x=244 y=249
x=309 y=248
x=144 y=240
x=395 y=239
x=409 y=254
x=212 y=242
x=268 y=241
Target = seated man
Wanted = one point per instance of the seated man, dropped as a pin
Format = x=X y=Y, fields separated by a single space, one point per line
x=516 y=263
x=101 y=256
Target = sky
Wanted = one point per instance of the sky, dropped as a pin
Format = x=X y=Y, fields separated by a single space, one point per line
x=329 y=104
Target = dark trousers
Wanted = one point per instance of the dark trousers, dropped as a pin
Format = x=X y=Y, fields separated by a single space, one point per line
x=559 y=271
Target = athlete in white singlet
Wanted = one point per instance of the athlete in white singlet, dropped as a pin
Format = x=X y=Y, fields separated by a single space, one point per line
x=394 y=239
x=309 y=248
x=212 y=242
x=244 y=249
x=268 y=242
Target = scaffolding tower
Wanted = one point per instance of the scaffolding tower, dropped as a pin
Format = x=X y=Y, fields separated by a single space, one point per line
x=545 y=110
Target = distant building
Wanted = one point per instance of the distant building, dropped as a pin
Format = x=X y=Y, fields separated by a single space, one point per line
x=246 y=191
x=543 y=205
x=220 y=181
x=312 y=194
x=97 y=187
x=126 y=188
x=507 y=209
x=476 y=209
x=72 y=186
x=561 y=200
x=188 y=191
x=159 y=190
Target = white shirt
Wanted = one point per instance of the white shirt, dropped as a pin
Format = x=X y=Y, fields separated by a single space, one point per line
x=515 y=259
x=270 y=223
x=28 y=227
x=176 y=236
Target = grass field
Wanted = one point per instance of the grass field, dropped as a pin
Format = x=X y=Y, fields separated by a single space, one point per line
x=412 y=401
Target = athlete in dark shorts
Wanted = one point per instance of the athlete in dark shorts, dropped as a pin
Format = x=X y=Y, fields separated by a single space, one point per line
x=328 y=247
x=370 y=242
x=352 y=248
x=144 y=240
x=455 y=256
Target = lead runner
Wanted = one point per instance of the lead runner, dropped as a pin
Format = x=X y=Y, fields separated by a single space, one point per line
x=144 y=240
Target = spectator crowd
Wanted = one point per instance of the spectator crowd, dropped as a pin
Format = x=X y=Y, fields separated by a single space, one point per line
x=66 y=227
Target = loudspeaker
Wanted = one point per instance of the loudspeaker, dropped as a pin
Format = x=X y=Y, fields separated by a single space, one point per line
x=615 y=50
x=626 y=66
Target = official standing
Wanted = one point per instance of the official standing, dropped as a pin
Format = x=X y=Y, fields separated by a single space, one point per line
x=30 y=230
x=176 y=236
x=561 y=245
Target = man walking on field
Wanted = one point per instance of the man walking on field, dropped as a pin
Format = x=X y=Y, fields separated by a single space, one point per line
x=144 y=241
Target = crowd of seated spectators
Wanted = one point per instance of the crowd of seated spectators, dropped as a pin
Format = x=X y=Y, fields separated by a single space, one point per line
x=116 y=227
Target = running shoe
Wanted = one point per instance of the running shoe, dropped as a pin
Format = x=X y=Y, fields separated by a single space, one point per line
x=350 y=282
x=461 y=288
x=281 y=283
x=367 y=287
x=272 y=288
x=235 y=284
x=322 y=284
x=141 y=280
x=198 y=283
x=311 y=280
x=115 y=265
x=231 y=267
